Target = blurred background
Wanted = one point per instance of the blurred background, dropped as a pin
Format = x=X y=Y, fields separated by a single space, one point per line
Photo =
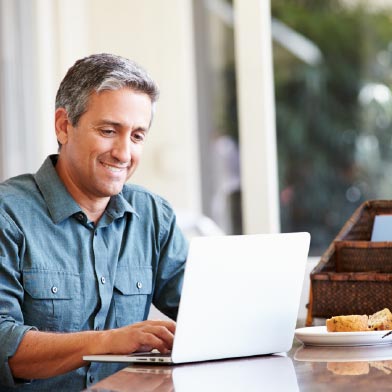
x=274 y=115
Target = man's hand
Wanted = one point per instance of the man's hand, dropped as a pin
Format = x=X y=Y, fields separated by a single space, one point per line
x=45 y=354
x=143 y=336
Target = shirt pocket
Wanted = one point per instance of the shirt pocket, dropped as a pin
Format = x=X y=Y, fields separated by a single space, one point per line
x=132 y=294
x=52 y=300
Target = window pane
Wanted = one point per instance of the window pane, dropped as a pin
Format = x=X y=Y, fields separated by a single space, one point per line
x=332 y=66
x=217 y=106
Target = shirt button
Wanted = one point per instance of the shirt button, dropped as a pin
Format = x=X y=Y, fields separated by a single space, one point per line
x=91 y=378
x=54 y=289
x=139 y=285
x=97 y=328
x=103 y=280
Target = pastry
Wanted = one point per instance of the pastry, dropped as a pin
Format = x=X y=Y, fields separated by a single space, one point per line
x=351 y=323
x=381 y=321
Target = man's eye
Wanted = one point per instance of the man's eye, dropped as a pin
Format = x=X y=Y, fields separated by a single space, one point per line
x=138 y=137
x=107 y=132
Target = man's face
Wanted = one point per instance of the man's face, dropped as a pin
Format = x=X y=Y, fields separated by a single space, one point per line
x=101 y=153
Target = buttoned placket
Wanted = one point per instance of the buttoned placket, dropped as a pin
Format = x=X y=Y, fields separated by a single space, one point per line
x=100 y=253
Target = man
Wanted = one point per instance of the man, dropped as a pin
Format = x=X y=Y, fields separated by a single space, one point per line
x=83 y=256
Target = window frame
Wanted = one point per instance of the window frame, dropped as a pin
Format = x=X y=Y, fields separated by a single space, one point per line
x=256 y=113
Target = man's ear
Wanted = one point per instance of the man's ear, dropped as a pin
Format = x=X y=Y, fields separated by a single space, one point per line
x=61 y=124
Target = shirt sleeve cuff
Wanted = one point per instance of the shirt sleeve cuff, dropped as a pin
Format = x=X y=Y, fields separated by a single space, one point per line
x=14 y=337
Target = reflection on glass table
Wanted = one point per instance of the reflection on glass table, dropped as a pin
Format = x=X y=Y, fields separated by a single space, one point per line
x=269 y=373
x=343 y=354
x=353 y=361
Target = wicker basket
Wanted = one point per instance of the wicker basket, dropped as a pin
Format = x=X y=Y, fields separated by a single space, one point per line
x=363 y=256
x=354 y=275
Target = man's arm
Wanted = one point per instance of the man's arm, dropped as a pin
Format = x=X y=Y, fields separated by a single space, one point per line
x=44 y=354
x=170 y=273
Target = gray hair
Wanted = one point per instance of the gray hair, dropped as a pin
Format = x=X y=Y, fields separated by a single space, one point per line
x=100 y=72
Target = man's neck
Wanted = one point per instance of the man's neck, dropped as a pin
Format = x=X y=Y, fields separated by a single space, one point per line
x=92 y=207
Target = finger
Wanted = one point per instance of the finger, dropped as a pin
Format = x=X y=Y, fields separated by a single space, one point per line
x=144 y=349
x=169 y=324
x=154 y=342
x=163 y=334
x=146 y=334
x=164 y=330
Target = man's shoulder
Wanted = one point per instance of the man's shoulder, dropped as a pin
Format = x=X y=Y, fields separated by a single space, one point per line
x=144 y=200
x=17 y=187
x=132 y=191
x=17 y=195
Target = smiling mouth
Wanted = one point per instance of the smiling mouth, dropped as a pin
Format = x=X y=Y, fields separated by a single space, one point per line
x=114 y=169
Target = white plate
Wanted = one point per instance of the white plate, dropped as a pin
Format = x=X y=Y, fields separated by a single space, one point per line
x=318 y=336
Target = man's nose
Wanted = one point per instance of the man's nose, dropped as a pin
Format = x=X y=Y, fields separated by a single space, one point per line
x=122 y=150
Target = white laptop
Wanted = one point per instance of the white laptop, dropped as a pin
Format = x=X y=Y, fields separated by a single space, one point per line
x=240 y=298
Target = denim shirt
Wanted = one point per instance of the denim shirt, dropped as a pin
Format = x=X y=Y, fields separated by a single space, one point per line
x=60 y=272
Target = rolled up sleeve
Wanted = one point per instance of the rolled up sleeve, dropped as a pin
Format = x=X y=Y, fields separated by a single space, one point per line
x=10 y=337
x=12 y=329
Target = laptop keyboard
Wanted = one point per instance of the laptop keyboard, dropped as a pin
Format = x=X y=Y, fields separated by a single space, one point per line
x=151 y=355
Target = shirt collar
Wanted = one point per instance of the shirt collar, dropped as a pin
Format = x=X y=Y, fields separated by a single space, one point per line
x=60 y=203
x=118 y=206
